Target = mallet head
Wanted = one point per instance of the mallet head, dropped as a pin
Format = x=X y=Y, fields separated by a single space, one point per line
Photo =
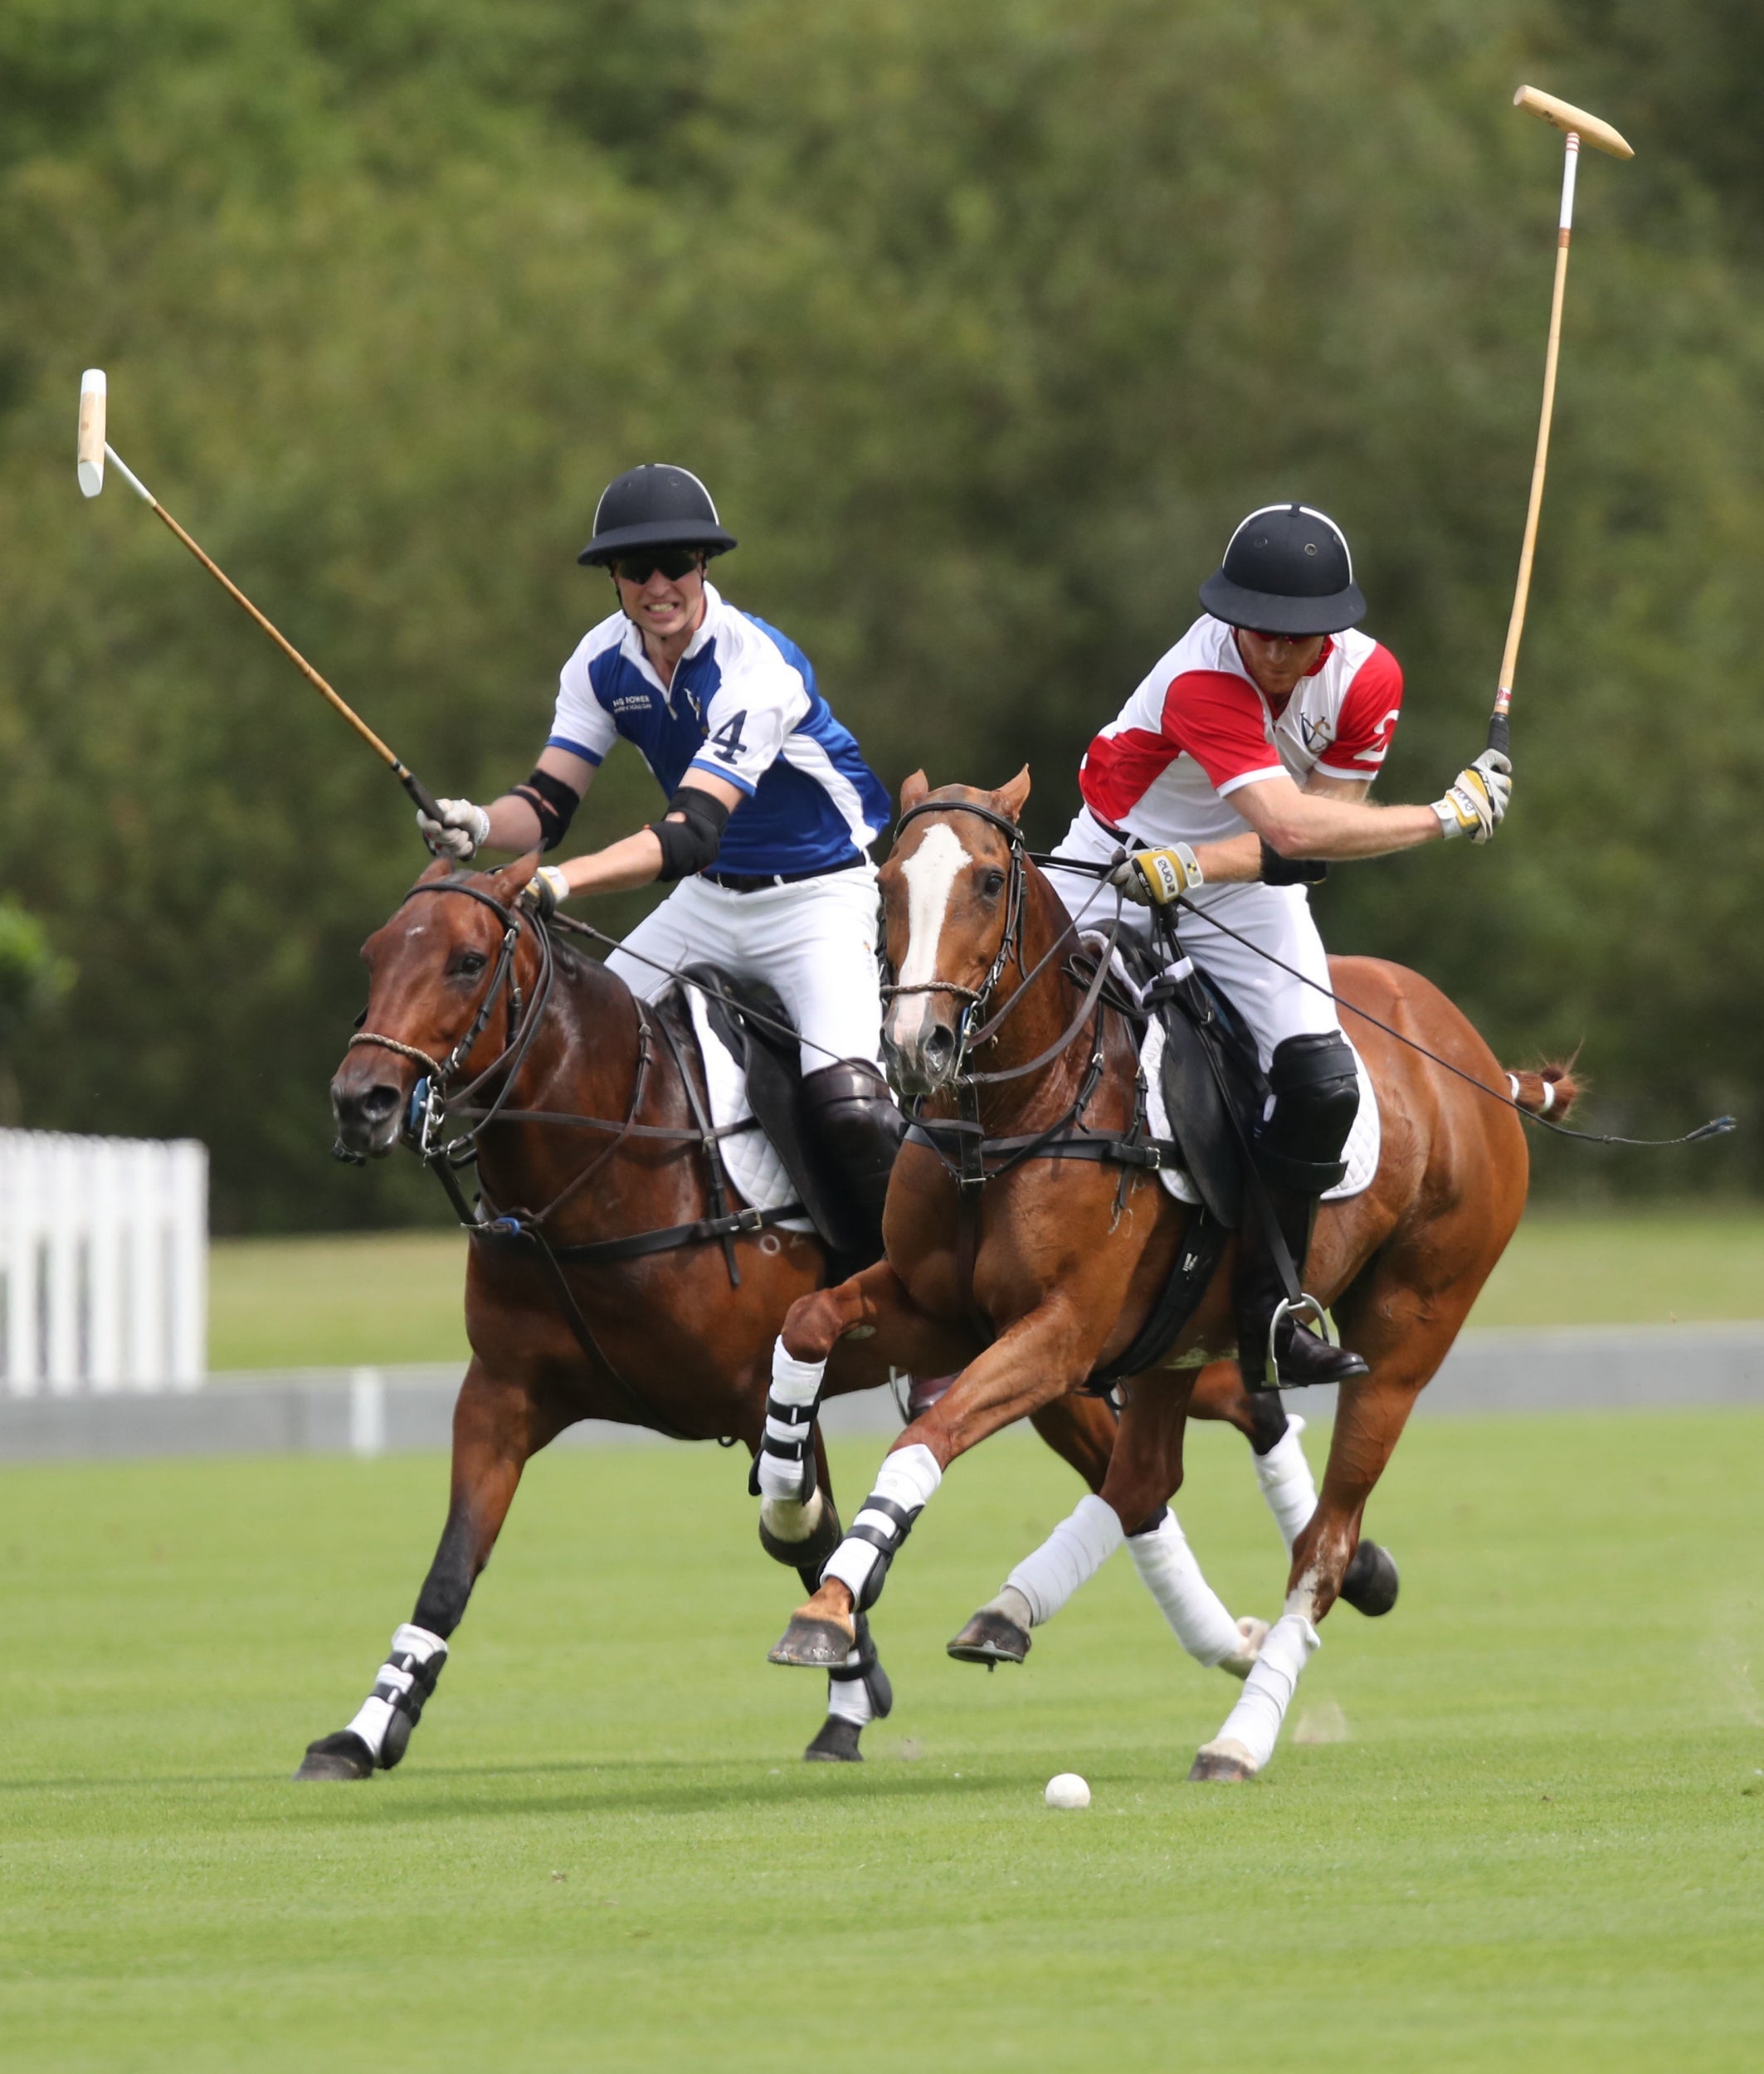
x=1567 y=116
x=91 y=431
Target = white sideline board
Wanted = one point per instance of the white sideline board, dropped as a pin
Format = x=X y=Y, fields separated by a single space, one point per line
x=104 y=1263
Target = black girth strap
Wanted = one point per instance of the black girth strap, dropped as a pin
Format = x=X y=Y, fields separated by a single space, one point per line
x=1202 y=1246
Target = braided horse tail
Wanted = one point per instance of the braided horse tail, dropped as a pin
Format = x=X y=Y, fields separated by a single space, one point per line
x=1551 y=1091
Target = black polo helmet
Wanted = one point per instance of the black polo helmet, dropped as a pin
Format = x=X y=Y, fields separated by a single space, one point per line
x=654 y=506
x=1287 y=570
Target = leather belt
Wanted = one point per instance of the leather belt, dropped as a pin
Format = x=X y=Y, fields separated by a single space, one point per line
x=764 y=881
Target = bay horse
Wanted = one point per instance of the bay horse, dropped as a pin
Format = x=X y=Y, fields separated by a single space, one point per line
x=1062 y=1261
x=588 y=1107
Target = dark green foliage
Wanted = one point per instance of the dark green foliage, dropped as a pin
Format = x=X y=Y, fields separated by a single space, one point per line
x=984 y=324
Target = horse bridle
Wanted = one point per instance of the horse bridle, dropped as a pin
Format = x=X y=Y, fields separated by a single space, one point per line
x=974 y=999
x=427 y=1111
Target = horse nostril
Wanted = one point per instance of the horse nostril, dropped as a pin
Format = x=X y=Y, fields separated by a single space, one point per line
x=940 y=1045
x=367 y=1105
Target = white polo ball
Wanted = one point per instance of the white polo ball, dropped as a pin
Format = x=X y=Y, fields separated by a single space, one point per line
x=1066 y=1790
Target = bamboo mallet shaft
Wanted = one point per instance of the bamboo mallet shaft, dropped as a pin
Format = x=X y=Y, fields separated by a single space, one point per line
x=95 y=450
x=1579 y=126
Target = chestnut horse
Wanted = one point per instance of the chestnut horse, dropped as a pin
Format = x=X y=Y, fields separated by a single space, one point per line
x=589 y=1111
x=1066 y=1259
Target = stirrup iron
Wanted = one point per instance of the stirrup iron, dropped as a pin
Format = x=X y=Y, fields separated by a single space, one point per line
x=1301 y=1310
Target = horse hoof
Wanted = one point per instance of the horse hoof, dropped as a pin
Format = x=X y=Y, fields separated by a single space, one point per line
x=343 y=1755
x=1241 y=1661
x=991 y=1639
x=813 y=1643
x=1370 y=1583
x=836 y=1744
x=1221 y=1764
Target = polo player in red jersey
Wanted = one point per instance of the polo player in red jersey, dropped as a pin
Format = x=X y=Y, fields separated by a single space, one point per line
x=1236 y=772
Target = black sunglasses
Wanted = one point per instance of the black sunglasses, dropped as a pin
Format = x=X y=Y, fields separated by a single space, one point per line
x=672 y=563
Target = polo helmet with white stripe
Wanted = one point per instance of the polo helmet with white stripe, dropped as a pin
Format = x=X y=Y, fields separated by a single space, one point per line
x=1286 y=570
x=654 y=506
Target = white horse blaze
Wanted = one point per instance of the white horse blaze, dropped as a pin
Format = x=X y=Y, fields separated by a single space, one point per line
x=930 y=873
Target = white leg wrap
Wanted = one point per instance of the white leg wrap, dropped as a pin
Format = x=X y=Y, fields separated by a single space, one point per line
x=1255 y=1722
x=1195 y=1611
x=415 y=1652
x=1071 y=1555
x=907 y=1479
x=790 y=1423
x=1286 y=1482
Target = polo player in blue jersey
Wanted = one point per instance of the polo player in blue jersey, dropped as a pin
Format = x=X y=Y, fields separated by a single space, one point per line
x=771 y=809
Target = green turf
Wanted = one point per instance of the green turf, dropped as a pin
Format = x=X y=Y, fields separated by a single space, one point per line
x=1540 y=1844
x=331 y=1302
x=320 y=1302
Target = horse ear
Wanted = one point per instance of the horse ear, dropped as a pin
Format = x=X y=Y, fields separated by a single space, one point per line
x=1010 y=797
x=915 y=789
x=441 y=868
x=510 y=879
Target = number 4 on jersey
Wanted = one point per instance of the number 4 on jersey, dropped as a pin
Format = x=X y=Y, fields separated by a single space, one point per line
x=727 y=738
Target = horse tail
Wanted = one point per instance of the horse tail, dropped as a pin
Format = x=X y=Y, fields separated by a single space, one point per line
x=1551 y=1091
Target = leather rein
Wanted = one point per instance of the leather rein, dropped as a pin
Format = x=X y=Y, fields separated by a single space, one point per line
x=966 y=1135
x=431 y=1101
x=971 y=1158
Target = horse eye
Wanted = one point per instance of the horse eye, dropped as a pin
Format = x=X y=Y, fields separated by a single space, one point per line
x=992 y=884
x=471 y=963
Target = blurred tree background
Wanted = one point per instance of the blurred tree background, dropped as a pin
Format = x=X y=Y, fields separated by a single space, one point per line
x=984 y=324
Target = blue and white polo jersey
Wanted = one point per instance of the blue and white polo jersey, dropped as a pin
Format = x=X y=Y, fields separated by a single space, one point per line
x=743 y=706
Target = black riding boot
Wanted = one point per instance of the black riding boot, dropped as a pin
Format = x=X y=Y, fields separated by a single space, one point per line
x=1297 y=1151
x=857 y=1131
x=1302 y=1356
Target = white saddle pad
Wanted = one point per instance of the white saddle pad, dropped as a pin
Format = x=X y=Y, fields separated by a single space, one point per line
x=1361 y=1151
x=756 y=1170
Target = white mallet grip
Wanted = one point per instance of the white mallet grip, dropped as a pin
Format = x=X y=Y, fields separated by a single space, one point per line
x=92 y=389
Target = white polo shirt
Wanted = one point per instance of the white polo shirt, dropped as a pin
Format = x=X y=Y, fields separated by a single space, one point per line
x=1198 y=728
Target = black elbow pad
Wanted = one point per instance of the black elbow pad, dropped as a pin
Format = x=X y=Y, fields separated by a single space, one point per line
x=555 y=804
x=1291 y=871
x=690 y=844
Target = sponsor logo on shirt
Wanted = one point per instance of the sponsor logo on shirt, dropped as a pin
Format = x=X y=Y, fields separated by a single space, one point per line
x=639 y=703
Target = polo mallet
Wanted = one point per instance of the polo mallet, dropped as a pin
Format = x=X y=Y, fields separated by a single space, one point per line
x=1580 y=127
x=95 y=450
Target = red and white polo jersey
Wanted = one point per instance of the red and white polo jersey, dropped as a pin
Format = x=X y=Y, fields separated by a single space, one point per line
x=1198 y=727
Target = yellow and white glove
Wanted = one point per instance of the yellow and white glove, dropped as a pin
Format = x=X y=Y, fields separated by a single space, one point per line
x=1475 y=803
x=1154 y=877
x=545 y=890
x=461 y=833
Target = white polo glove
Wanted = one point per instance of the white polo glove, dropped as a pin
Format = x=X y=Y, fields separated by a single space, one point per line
x=1154 y=877
x=1475 y=801
x=462 y=830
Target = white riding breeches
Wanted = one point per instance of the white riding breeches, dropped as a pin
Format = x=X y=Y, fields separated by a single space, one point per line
x=1275 y=920
x=814 y=941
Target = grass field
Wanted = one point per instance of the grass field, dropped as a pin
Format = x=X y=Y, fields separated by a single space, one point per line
x=319 y=1303
x=1539 y=1845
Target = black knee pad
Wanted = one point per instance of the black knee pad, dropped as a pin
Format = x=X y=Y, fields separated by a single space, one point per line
x=1316 y=1097
x=856 y=1118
